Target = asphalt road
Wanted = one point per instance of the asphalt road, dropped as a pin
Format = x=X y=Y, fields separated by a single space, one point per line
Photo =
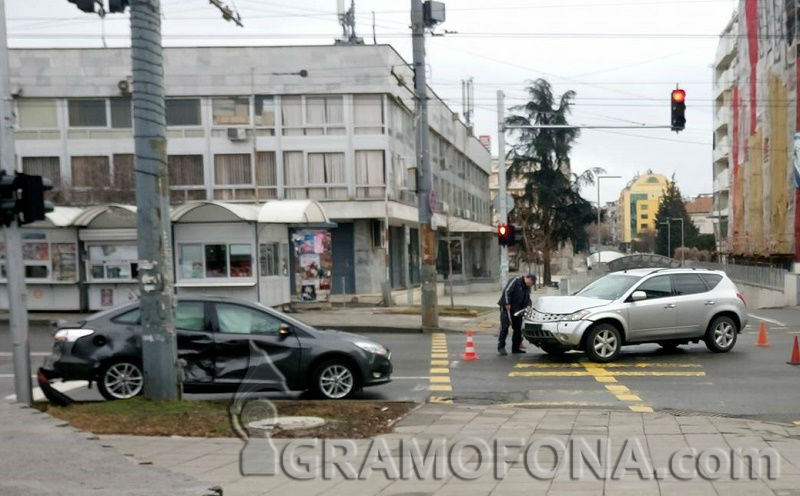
x=750 y=381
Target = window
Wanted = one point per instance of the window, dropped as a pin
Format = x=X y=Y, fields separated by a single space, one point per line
x=368 y=114
x=656 y=287
x=326 y=169
x=113 y=262
x=268 y=258
x=121 y=110
x=711 y=280
x=644 y=216
x=266 y=175
x=131 y=317
x=264 y=111
x=123 y=172
x=312 y=115
x=215 y=260
x=37 y=113
x=643 y=226
x=87 y=112
x=233 y=168
x=609 y=287
x=230 y=111
x=43 y=166
x=686 y=284
x=643 y=206
x=370 y=173
x=185 y=170
x=237 y=319
x=44 y=260
x=456 y=257
x=292 y=115
x=294 y=175
x=190 y=316
x=90 y=172
x=183 y=112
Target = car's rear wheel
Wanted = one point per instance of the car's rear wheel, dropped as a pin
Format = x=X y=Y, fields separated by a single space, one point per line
x=335 y=380
x=120 y=380
x=554 y=349
x=603 y=343
x=721 y=334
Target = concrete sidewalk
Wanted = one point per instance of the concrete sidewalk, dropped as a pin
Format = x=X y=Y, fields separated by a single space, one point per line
x=658 y=435
x=42 y=456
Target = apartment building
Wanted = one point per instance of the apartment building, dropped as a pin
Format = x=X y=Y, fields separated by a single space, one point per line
x=254 y=126
x=638 y=206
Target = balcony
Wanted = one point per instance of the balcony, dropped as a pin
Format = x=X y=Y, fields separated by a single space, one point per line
x=722 y=182
x=723 y=149
x=726 y=49
x=722 y=118
x=723 y=82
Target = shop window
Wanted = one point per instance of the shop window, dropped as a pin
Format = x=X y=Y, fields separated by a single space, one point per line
x=90 y=172
x=455 y=257
x=113 y=262
x=268 y=259
x=216 y=260
x=43 y=260
x=265 y=111
x=37 y=113
x=241 y=261
x=87 y=112
x=230 y=111
x=191 y=261
x=370 y=173
x=183 y=112
x=368 y=114
x=121 y=110
x=43 y=166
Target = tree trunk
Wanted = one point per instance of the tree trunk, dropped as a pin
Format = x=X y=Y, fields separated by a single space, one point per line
x=546 y=261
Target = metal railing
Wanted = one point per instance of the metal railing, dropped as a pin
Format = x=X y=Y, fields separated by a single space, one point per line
x=765 y=276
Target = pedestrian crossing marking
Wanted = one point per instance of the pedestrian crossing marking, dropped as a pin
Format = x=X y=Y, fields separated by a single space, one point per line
x=440 y=370
x=580 y=365
x=439 y=379
x=440 y=399
x=641 y=409
x=438 y=355
x=440 y=387
x=440 y=363
x=628 y=397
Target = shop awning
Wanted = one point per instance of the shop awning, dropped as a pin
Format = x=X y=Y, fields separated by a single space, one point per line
x=292 y=212
x=111 y=216
x=458 y=224
x=215 y=211
x=61 y=216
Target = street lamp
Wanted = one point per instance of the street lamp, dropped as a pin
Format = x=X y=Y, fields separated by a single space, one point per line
x=598 y=177
x=682 y=251
x=669 y=243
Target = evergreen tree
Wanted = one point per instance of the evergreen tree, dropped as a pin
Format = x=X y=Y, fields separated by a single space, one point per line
x=672 y=207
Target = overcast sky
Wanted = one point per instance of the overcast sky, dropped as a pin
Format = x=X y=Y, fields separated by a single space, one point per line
x=622 y=57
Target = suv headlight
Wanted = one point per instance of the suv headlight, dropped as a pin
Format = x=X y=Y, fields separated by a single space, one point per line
x=372 y=347
x=71 y=335
x=580 y=315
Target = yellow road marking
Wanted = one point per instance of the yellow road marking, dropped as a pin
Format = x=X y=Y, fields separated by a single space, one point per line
x=628 y=397
x=642 y=365
x=438 y=355
x=618 y=389
x=440 y=370
x=796 y=422
x=440 y=378
x=440 y=363
x=641 y=409
x=440 y=387
x=602 y=377
x=440 y=399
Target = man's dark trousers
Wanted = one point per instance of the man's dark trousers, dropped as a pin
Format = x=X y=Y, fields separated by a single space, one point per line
x=516 y=326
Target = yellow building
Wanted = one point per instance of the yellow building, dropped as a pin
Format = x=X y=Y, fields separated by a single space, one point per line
x=638 y=205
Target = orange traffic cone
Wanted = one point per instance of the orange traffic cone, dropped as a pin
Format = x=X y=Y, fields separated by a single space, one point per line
x=762 y=340
x=795 y=360
x=469 y=351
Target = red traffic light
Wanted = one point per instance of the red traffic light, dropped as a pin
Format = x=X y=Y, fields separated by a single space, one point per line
x=678 y=96
x=502 y=229
x=505 y=234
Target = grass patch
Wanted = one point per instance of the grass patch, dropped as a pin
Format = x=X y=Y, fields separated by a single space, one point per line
x=137 y=416
x=444 y=310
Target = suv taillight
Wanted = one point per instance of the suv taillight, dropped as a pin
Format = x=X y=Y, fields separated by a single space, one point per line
x=739 y=295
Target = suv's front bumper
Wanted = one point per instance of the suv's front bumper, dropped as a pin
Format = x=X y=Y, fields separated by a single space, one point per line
x=565 y=333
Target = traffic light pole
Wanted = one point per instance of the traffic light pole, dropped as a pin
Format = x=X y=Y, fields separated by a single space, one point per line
x=502 y=215
x=15 y=275
x=156 y=300
x=425 y=199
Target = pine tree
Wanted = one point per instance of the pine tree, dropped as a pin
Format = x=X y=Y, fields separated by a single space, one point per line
x=672 y=207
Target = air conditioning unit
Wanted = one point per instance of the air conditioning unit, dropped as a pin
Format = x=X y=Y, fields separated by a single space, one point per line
x=467 y=214
x=459 y=212
x=237 y=134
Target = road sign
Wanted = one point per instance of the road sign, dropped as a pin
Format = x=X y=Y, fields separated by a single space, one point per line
x=509 y=203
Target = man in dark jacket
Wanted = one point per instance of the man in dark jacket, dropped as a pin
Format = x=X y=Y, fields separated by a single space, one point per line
x=515 y=297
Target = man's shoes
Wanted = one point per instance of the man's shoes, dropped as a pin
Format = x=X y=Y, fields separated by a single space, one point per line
x=517 y=352
x=502 y=351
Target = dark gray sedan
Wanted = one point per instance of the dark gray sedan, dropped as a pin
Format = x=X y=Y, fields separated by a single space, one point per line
x=225 y=345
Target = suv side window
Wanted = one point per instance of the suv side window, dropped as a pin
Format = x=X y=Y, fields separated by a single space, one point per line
x=656 y=287
x=711 y=280
x=686 y=284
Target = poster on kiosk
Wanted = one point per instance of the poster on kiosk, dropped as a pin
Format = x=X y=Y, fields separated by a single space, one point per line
x=312 y=250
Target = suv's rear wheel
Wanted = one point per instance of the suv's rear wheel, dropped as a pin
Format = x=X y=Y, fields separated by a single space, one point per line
x=120 y=380
x=721 y=334
x=603 y=343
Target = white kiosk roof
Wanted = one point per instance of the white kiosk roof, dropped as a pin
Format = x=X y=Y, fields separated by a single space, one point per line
x=292 y=212
x=214 y=211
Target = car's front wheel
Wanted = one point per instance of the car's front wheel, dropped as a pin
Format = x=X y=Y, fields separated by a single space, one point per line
x=721 y=334
x=120 y=380
x=603 y=343
x=335 y=380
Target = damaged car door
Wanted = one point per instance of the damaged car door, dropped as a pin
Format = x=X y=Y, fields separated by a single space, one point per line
x=195 y=342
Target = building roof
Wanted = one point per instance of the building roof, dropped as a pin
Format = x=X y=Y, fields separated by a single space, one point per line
x=700 y=205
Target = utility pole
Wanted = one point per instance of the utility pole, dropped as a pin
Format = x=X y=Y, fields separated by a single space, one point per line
x=683 y=255
x=426 y=197
x=15 y=275
x=157 y=301
x=669 y=241
x=502 y=215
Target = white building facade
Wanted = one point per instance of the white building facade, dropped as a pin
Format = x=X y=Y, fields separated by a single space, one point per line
x=255 y=125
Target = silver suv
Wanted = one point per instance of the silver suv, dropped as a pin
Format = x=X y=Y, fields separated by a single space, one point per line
x=665 y=306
